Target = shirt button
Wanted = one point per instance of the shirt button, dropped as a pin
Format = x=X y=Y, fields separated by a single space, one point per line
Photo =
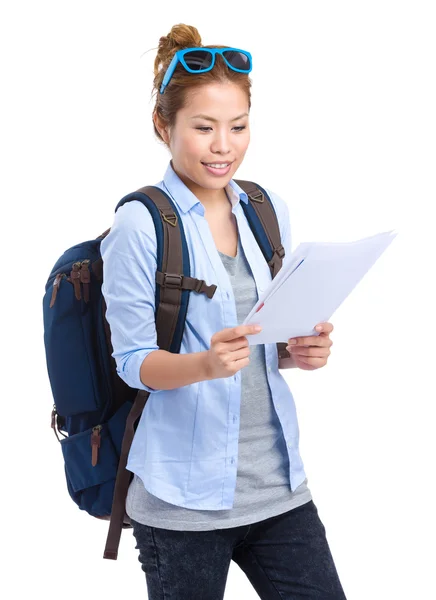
x=269 y=369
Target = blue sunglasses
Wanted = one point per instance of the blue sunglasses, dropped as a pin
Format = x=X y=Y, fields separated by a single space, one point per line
x=201 y=60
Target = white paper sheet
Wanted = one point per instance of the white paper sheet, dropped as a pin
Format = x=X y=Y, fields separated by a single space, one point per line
x=311 y=285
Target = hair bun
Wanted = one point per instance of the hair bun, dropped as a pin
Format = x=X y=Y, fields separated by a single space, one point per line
x=181 y=36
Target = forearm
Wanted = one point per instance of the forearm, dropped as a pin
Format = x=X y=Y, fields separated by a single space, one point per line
x=162 y=370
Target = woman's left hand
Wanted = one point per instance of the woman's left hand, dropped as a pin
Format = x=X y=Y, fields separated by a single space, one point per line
x=311 y=352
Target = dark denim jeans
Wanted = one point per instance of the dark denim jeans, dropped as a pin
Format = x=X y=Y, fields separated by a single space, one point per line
x=286 y=557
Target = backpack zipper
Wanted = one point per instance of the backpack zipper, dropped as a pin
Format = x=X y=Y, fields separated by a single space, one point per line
x=80 y=273
x=95 y=435
x=95 y=443
x=54 y=423
x=56 y=285
x=85 y=278
x=75 y=279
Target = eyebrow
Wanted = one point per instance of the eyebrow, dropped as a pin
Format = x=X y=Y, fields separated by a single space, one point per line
x=216 y=120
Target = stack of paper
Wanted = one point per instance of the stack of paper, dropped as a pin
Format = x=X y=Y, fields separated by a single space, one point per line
x=312 y=283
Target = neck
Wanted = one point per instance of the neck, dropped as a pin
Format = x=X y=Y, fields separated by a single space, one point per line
x=214 y=202
x=211 y=199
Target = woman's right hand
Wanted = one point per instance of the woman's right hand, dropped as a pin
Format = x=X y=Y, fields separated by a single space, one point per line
x=229 y=351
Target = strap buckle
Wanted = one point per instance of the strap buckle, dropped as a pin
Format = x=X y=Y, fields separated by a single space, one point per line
x=257 y=197
x=173 y=282
x=274 y=263
x=201 y=287
x=170 y=218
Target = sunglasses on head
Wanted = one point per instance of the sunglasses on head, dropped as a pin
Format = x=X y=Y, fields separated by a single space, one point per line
x=201 y=60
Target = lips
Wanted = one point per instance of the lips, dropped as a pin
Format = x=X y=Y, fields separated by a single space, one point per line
x=224 y=162
x=217 y=172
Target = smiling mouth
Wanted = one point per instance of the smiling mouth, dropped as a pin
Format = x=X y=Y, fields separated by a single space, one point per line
x=218 y=165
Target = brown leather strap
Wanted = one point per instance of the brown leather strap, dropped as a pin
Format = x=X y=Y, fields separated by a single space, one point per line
x=166 y=321
x=281 y=350
x=172 y=262
x=123 y=479
x=268 y=218
x=121 y=393
x=185 y=283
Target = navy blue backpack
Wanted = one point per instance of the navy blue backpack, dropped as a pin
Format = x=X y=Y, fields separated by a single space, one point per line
x=95 y=413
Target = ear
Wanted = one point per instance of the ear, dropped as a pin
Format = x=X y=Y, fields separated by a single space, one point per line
x=161 y=127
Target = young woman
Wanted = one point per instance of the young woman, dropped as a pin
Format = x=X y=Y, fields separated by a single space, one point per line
x=217 y=470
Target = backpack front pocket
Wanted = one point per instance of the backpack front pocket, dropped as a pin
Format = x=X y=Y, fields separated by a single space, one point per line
x=90 y=458
x=91 y=463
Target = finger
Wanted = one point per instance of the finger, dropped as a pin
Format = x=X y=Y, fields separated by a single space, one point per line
x=312 y=362
x=326 y=335
x=313 y=340
x=240 y=364
x=231 y=333
x=313 y=352
x=324 y=327
x=240 y=354
x=231 y=348
x=236 y=344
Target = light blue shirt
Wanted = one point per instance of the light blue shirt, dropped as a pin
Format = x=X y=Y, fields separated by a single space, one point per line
x=185 y=447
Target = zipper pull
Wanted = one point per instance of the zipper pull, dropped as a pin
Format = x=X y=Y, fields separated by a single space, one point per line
x=53 y=417
x=95 y=443
x=75 y=278
x=54 y=424
x=56 y=284
x=85 y=278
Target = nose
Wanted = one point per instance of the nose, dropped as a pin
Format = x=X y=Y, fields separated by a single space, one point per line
x=221 y=142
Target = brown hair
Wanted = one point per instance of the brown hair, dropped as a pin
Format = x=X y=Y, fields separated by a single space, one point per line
x=173 y=99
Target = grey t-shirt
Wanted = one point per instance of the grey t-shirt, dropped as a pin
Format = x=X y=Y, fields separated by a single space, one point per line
x=262 y=485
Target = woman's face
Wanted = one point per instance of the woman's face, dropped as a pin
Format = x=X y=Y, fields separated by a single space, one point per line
x=212 y=128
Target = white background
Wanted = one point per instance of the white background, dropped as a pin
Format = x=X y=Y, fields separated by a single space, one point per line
x=343 y=128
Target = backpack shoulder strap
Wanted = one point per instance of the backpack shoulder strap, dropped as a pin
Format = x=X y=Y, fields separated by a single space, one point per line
x=174 y=284
x=173 y=267
x=262 y=219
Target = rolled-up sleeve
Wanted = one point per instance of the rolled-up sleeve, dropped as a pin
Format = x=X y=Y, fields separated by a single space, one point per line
x=129 y=269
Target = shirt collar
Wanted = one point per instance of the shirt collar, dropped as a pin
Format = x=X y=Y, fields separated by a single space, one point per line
x=185 y=199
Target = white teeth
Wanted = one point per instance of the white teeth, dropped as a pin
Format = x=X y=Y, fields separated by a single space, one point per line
x=217 y=166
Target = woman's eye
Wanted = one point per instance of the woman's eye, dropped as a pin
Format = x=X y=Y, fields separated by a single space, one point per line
x=205 y=128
